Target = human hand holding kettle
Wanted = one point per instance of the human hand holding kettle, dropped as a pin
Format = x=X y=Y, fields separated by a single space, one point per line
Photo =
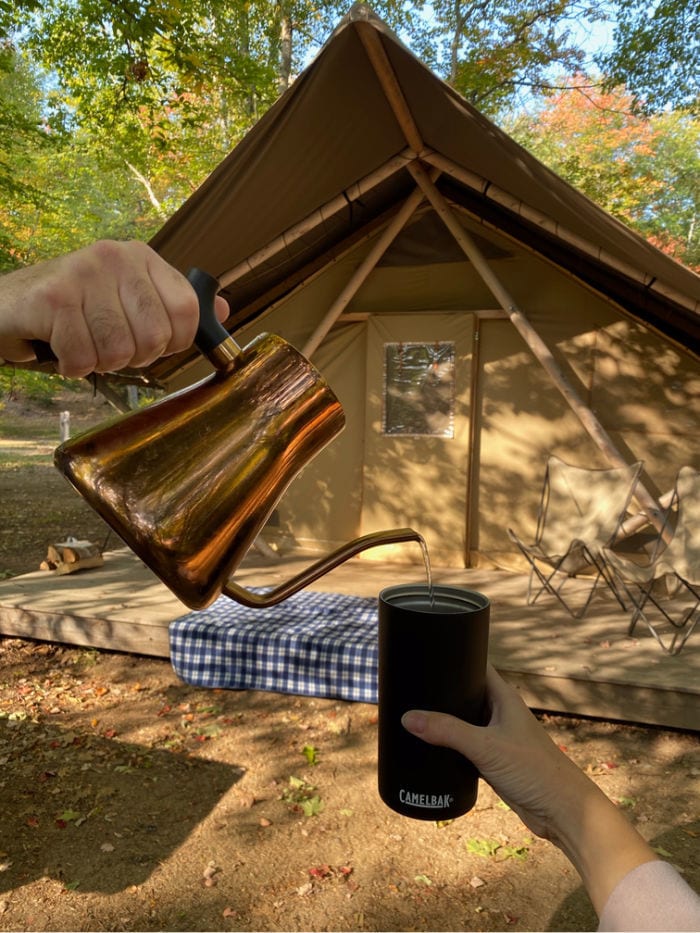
x=103 y=308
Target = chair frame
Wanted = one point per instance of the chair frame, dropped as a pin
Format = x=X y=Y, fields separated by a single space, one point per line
x=580 y=555
x=640 y=592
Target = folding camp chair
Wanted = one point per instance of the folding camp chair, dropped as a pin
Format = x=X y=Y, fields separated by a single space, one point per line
x=580 y=512
x=678 y=561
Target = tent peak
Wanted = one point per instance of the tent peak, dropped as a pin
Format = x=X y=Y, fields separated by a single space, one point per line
x=363 y=13
x=360 y=12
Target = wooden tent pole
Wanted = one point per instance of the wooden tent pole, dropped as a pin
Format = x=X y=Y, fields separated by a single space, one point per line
x=529 y=334
x=637 y=522
x=595 y=251
x=390 y=85
x=363 y=270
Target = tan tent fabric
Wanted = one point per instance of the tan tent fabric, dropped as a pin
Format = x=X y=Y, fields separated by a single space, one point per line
x=334 y=127
x=299 y=209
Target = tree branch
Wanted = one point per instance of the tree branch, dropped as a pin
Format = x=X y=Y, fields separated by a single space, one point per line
x=149 y=190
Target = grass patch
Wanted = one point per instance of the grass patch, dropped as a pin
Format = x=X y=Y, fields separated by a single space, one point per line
x=16 y=454
x=43 y=430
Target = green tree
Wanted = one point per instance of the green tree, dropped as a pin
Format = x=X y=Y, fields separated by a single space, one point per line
x=643 y=170
x=22 y=139
x=495 y=51
x=671 y=218
x=656 y=53
x=152 y=95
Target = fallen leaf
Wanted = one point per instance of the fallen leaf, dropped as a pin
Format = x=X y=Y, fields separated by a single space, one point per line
x=483 y=847
x=107 y=847
x=264 y=822
x=477 y=882
x=313 y=806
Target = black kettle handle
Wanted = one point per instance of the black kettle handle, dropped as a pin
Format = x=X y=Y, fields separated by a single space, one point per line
x=210 y=333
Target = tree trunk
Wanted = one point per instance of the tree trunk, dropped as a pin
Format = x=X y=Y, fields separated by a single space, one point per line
x=284 y=69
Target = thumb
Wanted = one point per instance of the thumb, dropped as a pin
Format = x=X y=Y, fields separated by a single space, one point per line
x=446 y=730
x=222 y=309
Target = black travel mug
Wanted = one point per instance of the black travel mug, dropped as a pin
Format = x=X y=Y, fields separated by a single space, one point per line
x=432 y=656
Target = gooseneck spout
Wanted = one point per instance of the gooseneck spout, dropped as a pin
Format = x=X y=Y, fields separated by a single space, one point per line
x=284 y=590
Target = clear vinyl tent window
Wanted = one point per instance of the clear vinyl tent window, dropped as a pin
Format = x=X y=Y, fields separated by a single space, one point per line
x=419 y=388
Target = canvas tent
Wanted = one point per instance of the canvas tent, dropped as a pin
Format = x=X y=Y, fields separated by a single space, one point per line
x=472 y=311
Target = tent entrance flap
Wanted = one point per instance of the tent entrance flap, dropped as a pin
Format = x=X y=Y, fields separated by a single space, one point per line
x=417 y=431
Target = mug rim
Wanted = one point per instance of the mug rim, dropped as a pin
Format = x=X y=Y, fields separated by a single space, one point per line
x=461 y=598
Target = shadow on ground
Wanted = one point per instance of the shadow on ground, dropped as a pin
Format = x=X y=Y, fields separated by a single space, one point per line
x=96 y=813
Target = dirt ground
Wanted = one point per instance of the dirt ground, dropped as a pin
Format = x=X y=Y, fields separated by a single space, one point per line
x=132 y=801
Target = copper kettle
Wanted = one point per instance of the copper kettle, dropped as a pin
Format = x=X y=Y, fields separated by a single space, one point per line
x=189 y=481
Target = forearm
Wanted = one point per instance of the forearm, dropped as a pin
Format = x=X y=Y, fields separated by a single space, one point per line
x=544 y=787
x=598 y=839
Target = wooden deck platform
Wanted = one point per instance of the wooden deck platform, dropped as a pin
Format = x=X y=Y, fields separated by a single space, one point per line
x=588 y=667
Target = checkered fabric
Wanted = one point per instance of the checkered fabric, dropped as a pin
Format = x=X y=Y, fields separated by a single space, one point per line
x=312 y=644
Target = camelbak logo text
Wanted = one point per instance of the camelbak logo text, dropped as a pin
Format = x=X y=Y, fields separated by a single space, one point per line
x=428 y=801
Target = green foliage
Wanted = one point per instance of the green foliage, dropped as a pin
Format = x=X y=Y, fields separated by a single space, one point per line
x=34 y=386
x=494 y=52
x=145 y=99
x=303 y=797
x=22 y=139
x=643 y=170
x=492 y=848
x=656 y=53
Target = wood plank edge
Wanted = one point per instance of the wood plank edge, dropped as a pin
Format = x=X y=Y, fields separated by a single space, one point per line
x=118 y=635
x=632 y=703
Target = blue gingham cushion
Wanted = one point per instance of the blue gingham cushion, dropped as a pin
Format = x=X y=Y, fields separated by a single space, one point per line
x=312 y=644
